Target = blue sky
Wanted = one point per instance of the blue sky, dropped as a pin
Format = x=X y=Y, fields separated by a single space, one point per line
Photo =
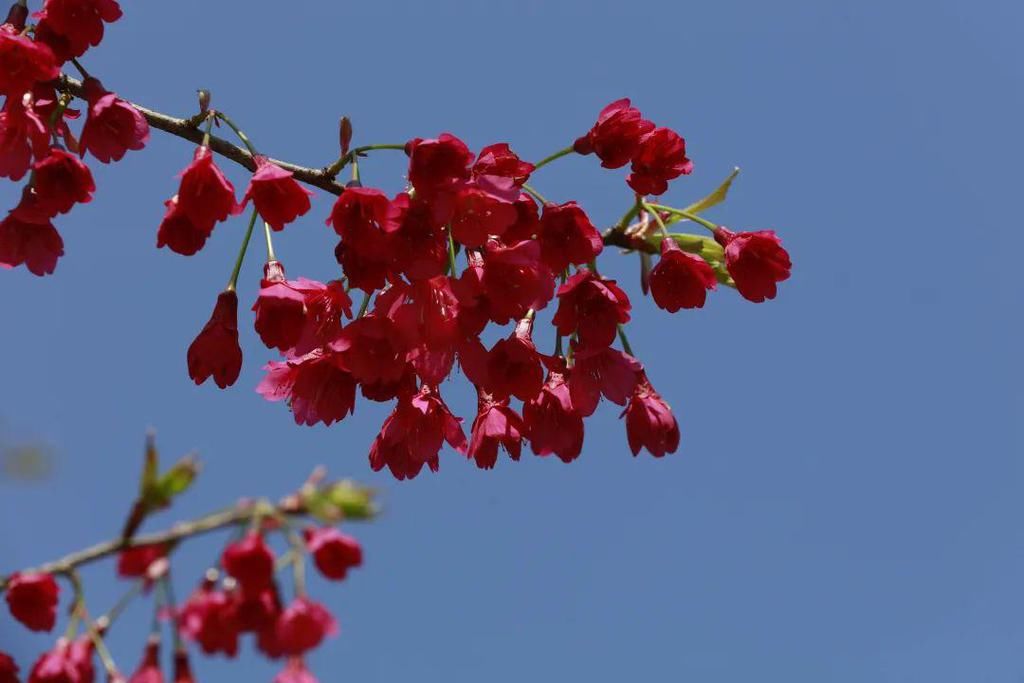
x=845 y=505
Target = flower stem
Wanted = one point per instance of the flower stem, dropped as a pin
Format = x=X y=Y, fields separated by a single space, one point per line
x=557 y=155
x=363 y=306
x=81 y=69
x=451 y=252
x=625 y=341
x=685 y=214
x=241 y=252
x=270 y=242
x=238 y=131
x=209 y=128
x=630 y=215
x=345 y=159
x=536 y=195
x=649 y=208
x=355 y=169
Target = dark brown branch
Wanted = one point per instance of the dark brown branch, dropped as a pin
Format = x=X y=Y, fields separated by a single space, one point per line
x=188 y=129
x=617 y=237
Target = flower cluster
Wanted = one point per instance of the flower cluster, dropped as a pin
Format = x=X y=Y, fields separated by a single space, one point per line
x=35 y=136
x=467 y=243
x=244 y=594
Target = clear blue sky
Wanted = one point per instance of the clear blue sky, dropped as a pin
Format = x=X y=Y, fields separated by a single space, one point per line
x=846 y=504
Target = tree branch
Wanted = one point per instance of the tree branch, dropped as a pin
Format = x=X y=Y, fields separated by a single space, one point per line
x=211 y=522
x=188 y=129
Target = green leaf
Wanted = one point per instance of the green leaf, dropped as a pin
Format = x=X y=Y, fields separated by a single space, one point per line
x=340 y=500
x=714 y=199
x=176 y=480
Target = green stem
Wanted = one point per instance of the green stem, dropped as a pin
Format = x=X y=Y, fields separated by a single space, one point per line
x=557 y=155
x=536 y=195
x=123 y=601
x=363 y=306
x=241 y=252
x=625 y=341
x=633 y=212
x=270 y=242
x=558 y=343
x=686 y=214
x=209 y=128
x=238 y=131
x=172 y=605
x=649 y=208
x=355 y=169
x=451 y=252
x=345 y=159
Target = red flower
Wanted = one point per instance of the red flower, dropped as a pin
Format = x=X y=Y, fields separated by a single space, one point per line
x=134 y=562
x=482 y=209
x=215 y=351
x=182 y=669
x=514 y=280
x=412 y=435
x=437 y=165
x=661 y=157
x=419 y=240
x=567 y=236
x=495 y=425
x=61 y=180
x=8 y=669
x=113 y=126
x=35 y=243
x=601 y=371
x=258 y=611
x=295 y=671
x=22 y=132
x=553 y=425
x=615 y=138
x=500 y=160
x=280 y=309
x=178 y=232
x=649 y=421
x=317 y=388
x=209 y=618
x=278 y=197
x=149 y=670
x=333 y=552
x=79 y=22
x=680 y=280
x=32 y=599
x=205 y=195
x=23 y=63
x=756 y=261
x=55 y=666
x=303 y=625
x=360 y=216
x=527 y=221
x=591 y=306
x=325 y=304
x=514 y=366
x=372 y=349
x=250 y=562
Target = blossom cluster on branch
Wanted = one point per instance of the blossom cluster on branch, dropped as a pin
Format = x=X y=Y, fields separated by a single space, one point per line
x=469 y=243
x=242 y=592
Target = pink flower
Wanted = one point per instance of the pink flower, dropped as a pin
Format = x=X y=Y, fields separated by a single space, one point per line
x=591 y=306
x=149 y=670
x=205 y=195
x=79 y=22
x=317 y=388
x=756 y=261
x=366 y=255
x=495 y=425
x=22 y=133
x=649 y=421
x=32 y=599
x=55 y=666
x=567 y=236
x=680 y=280
x=61 y=180
x=295 y=671
x=303 y=625
x=209 y=618
x=280 y=309
x=616 y=136
x=23 y=63
x=34 y=243
x=278 y=197
x=333 y=552
x=134 y=562
x=325 y=304
x=412 y=435
x=514 y=366
x=661 y=157
x=250 y=562
x=438 y=165
x=215 y=351
x=500 y=160
x=113 y=126
x=553 y=425
x=514 y=279
x=598 y=371
x=419 y=240
x=372 y=349
x=481 y=210
x=182 y=669
x=178 y=232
